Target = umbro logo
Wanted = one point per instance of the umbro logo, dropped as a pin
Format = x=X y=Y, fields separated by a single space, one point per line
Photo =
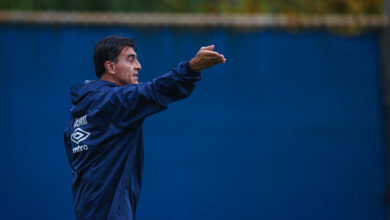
x=79 y=135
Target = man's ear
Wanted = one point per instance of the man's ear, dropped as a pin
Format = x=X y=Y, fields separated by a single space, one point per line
x=110 y=67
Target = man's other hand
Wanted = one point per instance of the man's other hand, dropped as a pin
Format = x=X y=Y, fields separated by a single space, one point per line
x=205 y=58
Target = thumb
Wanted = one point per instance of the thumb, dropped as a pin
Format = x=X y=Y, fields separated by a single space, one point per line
x=211 y=47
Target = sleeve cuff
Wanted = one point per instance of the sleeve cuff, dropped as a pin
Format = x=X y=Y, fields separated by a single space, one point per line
x=188 y=68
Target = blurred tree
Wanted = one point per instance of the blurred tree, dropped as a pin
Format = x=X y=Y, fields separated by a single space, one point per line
x=203 y=6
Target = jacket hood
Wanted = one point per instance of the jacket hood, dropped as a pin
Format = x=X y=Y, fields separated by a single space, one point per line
x=82 y=96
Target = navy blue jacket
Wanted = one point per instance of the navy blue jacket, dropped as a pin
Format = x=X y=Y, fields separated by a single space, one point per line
x=103 y=140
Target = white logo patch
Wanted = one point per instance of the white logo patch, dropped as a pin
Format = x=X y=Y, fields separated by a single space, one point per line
x=80 y=121
x=79 y=135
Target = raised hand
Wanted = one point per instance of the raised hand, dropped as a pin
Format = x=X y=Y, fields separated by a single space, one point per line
x=205 y=58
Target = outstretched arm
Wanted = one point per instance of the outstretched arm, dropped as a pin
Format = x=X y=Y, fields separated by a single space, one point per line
x=130 y=103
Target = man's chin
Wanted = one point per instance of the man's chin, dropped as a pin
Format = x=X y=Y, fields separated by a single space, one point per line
x=132 y=82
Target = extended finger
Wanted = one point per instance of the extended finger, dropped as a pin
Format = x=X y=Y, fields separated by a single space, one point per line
x=210 y=53
x=217 y=59
x=215 y=55
x=211 y=47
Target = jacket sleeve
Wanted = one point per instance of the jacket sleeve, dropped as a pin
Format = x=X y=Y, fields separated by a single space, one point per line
x=127 y=104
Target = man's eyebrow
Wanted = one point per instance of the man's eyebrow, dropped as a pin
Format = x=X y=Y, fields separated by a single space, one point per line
x=132 y=55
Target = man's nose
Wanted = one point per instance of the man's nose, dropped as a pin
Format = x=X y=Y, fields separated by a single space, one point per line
x=138 y=66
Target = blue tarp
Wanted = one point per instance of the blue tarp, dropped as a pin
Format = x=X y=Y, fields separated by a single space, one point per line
x=291 y=127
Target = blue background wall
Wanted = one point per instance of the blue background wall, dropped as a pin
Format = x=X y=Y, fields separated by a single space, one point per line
x=291 y=127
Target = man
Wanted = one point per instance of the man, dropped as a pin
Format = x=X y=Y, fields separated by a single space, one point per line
x=103 y=139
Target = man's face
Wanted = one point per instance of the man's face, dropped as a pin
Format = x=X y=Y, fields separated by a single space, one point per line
x=126 y=69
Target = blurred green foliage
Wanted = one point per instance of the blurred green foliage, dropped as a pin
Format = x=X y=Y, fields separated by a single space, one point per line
x=203 y=6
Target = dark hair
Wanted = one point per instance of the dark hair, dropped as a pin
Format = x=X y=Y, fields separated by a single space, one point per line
x=108 y=49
